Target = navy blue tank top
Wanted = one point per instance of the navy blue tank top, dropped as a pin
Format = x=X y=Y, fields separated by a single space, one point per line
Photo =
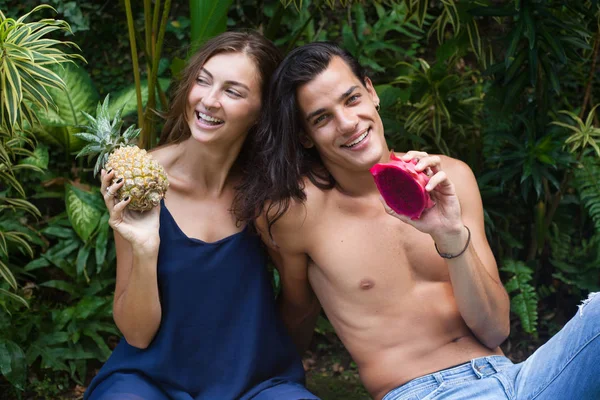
x=220 y=336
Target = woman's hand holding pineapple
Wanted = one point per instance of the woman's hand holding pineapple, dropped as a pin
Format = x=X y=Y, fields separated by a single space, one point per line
x=140 y=229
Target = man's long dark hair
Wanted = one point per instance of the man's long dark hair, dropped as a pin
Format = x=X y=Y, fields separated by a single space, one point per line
x=279 y=161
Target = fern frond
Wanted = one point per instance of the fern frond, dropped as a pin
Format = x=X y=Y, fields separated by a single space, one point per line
x=524 y=298
x=587 y=183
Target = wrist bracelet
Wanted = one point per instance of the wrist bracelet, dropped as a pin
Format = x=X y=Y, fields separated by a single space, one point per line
x=450 y=256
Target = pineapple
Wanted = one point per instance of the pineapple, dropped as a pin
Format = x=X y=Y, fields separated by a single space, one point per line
x=145 y=179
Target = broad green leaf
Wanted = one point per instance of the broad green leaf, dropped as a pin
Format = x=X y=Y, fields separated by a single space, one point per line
x=51 y=357
x=81 y=262
x=126 y=97
x=63 y=317
x=208 y=18
x=12 y=363
x=104 y=349
x=88 y=306
x=83 y=215
x=40 y=157
x=60 y=285
x=37 y=264
x=59 y=232
x=102 y=241
x=80 y=96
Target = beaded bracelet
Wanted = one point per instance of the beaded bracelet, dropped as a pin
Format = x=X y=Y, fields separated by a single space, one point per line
x=450 y=256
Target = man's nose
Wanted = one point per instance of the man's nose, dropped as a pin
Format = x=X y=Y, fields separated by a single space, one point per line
x=347 y=121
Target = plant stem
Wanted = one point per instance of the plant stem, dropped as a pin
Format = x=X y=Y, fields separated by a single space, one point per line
x=136 y=68
x=590 y=81
x=153 y=76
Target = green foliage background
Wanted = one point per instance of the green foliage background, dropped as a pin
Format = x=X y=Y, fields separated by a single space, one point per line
x=508 y=87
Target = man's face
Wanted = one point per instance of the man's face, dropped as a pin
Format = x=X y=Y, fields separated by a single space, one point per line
x=340 y=119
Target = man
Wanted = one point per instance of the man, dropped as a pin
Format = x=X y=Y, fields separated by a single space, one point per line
x=418 y=303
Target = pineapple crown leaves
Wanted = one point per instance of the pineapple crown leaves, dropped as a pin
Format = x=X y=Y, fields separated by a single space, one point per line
x=104 y=135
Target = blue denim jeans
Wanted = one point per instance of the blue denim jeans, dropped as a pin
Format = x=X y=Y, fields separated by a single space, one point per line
x=567 y=367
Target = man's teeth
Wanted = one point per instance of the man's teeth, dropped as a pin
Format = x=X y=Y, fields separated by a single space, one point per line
x=209 y=118
x=358 y=140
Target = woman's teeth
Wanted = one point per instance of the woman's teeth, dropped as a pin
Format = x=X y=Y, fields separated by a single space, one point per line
x=358 y=140
x=208 y=119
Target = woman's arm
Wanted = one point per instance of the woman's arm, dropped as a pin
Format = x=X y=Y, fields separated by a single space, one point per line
x=136 y=308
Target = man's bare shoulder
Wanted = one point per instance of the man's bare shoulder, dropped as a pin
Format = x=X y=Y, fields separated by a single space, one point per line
x=465 y=182
x=454 y=165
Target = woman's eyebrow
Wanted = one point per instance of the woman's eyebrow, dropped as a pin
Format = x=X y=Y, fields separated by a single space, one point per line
x=230 y=83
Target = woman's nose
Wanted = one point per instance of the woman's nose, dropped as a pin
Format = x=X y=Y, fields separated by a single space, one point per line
x=210 y=100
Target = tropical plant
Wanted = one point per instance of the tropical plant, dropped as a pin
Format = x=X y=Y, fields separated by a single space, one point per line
x=440 y=100
x=59 y=126
x=25 y=75
x=524 y=297
x=26 y=54
x=151 y=44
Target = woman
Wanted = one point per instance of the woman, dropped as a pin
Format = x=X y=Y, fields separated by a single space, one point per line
x=193 y=297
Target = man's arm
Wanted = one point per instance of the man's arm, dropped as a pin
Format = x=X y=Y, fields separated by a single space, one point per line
x=480 y=296
x=298 y=304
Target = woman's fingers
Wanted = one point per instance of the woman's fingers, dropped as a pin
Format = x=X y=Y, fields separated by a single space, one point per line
x=106 y=178
x=116 y=214
x=111 y=191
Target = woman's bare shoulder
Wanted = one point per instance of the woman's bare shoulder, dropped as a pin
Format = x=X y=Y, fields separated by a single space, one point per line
x=165 y=154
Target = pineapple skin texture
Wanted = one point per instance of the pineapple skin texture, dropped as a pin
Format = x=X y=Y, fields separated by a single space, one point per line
x=145 y=179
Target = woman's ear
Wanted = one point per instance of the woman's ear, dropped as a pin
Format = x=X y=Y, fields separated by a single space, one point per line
x=306 y=141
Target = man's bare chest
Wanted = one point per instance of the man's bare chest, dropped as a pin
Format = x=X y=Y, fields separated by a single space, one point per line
x=356 y=253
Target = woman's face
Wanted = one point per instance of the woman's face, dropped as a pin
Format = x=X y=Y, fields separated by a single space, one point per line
x=225 y=100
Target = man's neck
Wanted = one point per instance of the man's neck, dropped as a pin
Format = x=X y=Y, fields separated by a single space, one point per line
x=355 y=183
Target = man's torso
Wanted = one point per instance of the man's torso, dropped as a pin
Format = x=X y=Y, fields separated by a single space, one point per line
x=384 y=289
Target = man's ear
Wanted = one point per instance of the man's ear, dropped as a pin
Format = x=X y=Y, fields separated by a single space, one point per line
x=371 y=90
x=306 y=141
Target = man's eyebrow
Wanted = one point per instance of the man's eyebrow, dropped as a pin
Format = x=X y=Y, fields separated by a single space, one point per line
x=230 y=83
x=342 y=97
x=347 y=92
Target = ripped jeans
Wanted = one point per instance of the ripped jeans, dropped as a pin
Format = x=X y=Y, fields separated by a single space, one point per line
x=567 y=367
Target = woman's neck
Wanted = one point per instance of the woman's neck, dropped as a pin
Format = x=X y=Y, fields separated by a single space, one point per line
x=205 y=168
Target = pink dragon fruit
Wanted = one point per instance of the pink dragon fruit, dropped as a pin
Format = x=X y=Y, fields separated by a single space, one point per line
x=402 y=187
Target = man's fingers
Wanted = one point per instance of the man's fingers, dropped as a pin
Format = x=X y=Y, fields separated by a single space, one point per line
x=412 y=154
x=436 y=179
x=432 y=162
x=393 y=213
x=386 y=207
